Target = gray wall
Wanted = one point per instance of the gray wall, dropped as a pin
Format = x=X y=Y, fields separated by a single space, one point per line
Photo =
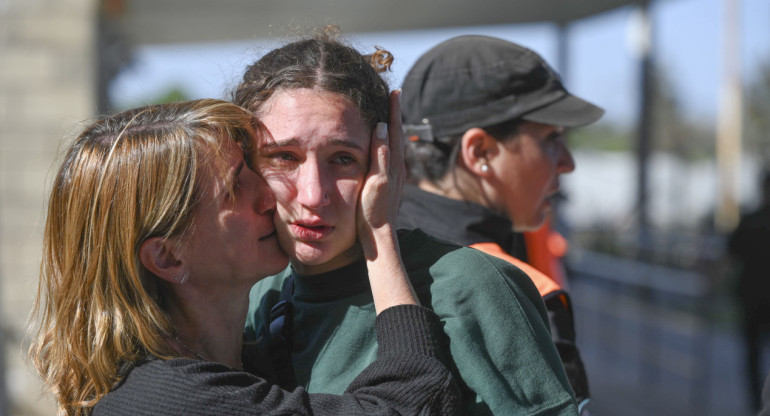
x=46 y=90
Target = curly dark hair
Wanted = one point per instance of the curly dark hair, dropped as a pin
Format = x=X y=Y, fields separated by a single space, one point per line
x=321 y=62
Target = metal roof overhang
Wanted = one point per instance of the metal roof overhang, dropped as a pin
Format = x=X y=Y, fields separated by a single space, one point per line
x=146 y=22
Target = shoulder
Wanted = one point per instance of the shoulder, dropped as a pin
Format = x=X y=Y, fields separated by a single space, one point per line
x=270 y=283
x=262 y=296
x=449 y=259
x=268 y=288
x=179 y=386
x=419 y=249
x=465 y=273
x=545 y=285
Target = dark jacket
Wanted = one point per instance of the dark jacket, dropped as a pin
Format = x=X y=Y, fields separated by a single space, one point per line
x=406 y=378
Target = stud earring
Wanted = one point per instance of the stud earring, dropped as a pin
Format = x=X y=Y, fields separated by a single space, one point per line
x=176 y=277
x=484 y=167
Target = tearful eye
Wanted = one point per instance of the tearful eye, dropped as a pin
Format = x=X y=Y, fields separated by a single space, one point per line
x=285 y=156
x=345 y=160
x=280 y=159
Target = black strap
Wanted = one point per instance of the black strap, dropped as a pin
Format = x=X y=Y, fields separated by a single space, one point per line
x=561 y=320
x=280 y=339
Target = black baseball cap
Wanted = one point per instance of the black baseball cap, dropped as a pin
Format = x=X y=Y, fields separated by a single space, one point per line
x=479 y=81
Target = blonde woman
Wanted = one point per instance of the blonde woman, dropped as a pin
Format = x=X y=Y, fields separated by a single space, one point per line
x=157 y=227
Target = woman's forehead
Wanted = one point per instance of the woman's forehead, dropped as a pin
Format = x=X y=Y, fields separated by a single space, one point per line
x=305 y=116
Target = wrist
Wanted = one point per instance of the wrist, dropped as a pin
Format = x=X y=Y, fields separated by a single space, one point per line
x=376 y=240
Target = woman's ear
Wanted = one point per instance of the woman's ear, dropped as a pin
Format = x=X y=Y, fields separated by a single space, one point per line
x=477 y=149
x=158 y=255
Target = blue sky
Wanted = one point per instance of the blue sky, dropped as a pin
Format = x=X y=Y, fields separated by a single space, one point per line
x=601 y=66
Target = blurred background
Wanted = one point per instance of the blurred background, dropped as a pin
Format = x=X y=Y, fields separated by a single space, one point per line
x=660 y=183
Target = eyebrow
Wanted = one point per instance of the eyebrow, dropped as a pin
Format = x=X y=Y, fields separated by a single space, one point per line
x=296 y=142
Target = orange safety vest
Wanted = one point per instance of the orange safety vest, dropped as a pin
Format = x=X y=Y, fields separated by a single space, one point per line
x=545 y=248
x=560 y=318
x=561 y=322
x=545 y=285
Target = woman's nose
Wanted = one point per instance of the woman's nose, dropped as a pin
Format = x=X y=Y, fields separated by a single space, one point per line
x=312 y=187
x=566 y=161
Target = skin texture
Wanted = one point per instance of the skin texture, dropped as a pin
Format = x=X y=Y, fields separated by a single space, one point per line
x=315 y=159
x=234 y=236
x=524 y=173
x=234 y=242
x=232 y=246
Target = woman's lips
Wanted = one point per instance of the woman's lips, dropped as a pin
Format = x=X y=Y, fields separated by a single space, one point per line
x=310 y=232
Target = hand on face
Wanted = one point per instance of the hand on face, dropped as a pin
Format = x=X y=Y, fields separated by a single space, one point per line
x=315 y=159
x=381 y=191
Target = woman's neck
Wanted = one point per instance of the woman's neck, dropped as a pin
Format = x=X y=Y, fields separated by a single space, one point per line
x=208 y=325
x=459 y=185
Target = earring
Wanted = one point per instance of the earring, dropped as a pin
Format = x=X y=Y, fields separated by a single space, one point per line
x=185 y=276
x=484 y=167
x=176 y=277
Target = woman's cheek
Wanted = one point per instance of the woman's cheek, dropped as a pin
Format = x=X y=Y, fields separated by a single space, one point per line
x=351 y=189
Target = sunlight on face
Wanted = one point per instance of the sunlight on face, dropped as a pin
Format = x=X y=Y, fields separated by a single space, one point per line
x=234 y=237
x=315 y=158
x=527 y=173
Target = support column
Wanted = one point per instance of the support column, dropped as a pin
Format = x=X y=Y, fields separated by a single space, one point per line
x=46 y=87
x=729 y=120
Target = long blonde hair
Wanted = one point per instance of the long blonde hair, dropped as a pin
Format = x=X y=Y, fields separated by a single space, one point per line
x=126 y=178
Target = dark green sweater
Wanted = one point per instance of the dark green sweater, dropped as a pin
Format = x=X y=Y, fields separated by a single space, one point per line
x=491 y=313
x=406 y=378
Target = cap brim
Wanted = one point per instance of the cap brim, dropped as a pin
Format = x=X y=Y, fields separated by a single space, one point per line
x=569 y=111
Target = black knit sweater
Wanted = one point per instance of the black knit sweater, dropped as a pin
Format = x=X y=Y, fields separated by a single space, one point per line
x=406 y=379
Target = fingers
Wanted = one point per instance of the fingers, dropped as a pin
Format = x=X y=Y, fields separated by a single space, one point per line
x=396 y=136
x=379 y=150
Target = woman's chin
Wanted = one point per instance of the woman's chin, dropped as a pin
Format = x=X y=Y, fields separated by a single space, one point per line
x=308 y=255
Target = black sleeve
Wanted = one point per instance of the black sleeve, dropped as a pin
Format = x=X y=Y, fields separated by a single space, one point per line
x=561 y=320
x=406 y=378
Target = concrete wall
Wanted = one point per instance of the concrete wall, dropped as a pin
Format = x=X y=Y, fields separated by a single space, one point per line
x=47 y=82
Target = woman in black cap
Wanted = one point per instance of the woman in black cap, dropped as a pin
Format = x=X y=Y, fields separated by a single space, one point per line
x=486 y=123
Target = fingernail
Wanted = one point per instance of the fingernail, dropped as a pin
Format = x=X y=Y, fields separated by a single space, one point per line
x=382 y=130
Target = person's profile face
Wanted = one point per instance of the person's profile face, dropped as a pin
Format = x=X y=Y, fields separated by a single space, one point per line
x=234 y=237
x=314 y=156
x=527 y=173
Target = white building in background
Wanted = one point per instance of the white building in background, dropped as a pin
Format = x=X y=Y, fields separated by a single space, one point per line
x=47 y=68
x=602 y=190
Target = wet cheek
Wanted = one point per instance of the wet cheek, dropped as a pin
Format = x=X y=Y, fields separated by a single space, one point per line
x=282 y=187
x=350 y=190
x=283 y=214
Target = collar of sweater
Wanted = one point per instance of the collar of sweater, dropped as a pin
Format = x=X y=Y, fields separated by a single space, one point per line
x=460 y=222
